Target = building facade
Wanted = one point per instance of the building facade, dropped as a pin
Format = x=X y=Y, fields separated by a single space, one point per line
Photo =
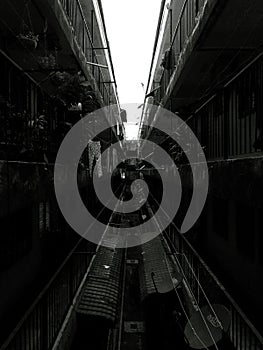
x=55 y=68
x=207 y=68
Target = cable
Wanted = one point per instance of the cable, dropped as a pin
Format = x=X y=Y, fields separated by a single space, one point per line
x=192 y=293
x=182 y=306
x=188 y=319
x=186 y=315
x=199 y=309
x=199 y=284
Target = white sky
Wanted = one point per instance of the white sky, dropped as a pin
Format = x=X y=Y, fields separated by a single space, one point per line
x=131 y=27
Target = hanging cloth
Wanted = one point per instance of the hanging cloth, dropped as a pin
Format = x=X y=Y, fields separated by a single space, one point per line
x=94 y=148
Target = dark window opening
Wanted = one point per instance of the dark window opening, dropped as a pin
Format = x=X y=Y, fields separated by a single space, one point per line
x=15 y=237
x=245 y=224
x=220 y=217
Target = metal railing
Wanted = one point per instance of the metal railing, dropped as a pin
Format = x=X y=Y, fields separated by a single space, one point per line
x=79 y=24
x=39 y=327
x=187 y=21
x=242 y=334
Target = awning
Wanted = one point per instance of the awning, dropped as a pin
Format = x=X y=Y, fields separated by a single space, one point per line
x=100 y=295
x=157 y=273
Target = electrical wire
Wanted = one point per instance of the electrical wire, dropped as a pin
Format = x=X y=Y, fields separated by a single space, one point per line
x=183 y=308
x=196 y=302
x=201 y=288
x=180 y=301
x=189 y=287
x=188 y=319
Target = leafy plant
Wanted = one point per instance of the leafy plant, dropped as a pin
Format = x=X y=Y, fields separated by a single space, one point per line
x=71 y=92
x=47 y=62
x=28 y=39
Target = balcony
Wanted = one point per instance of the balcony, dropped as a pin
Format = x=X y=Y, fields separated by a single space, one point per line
x=211 y=41
x=63 y=42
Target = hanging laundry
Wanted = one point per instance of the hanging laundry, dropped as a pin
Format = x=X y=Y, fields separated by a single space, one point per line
x=94 y=148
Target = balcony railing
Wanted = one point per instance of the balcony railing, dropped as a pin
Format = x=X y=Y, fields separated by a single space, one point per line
x=83 y=37
x=204 y=286
x=187 y=21
x=40 y=326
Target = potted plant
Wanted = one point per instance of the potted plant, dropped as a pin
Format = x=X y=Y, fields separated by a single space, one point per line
x=71 y=91
x=28 y=39
x=47 y=62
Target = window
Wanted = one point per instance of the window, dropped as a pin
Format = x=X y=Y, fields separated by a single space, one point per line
x=245 y=224
x=231 y=124
x=209 y=126
x=245 y=112
x=220 y=217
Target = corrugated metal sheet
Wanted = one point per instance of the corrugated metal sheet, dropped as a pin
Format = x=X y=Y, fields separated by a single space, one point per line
x=157 y=273
x=100 y=295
